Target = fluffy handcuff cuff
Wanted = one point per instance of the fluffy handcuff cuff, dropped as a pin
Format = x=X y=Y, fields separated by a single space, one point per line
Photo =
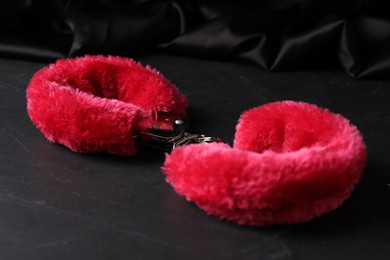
x=290 y=161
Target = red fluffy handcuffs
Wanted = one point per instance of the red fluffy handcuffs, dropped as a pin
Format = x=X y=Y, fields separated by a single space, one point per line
x=290 y=162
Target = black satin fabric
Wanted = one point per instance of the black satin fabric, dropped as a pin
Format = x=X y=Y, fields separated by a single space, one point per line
x=272 y=34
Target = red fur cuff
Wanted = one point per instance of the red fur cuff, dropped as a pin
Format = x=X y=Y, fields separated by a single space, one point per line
x=96 y=103
x=291 y=162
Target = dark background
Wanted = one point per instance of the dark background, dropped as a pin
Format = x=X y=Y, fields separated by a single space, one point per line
x=56 y=204
x=272 y=34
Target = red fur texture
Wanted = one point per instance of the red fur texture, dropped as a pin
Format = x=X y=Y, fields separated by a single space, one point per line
x=291 y=162
x=97 y=103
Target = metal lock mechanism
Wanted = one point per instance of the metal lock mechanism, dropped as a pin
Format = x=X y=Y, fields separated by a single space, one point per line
x=168 y=140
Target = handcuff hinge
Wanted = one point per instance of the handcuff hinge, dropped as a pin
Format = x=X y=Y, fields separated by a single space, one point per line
x=168 y=140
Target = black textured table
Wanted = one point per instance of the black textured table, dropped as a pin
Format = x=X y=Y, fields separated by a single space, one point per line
x=56 y=204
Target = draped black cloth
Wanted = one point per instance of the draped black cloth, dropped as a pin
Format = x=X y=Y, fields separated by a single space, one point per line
x=272 y=34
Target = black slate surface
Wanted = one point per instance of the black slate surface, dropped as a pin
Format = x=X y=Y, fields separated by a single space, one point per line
x=56 y=204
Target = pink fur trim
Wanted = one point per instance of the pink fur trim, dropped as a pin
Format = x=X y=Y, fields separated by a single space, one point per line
x=291 y=162
x=97 y=103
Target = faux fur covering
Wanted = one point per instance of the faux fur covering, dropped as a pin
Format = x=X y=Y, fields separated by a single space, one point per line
x=291 y=162
x=97 y=103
